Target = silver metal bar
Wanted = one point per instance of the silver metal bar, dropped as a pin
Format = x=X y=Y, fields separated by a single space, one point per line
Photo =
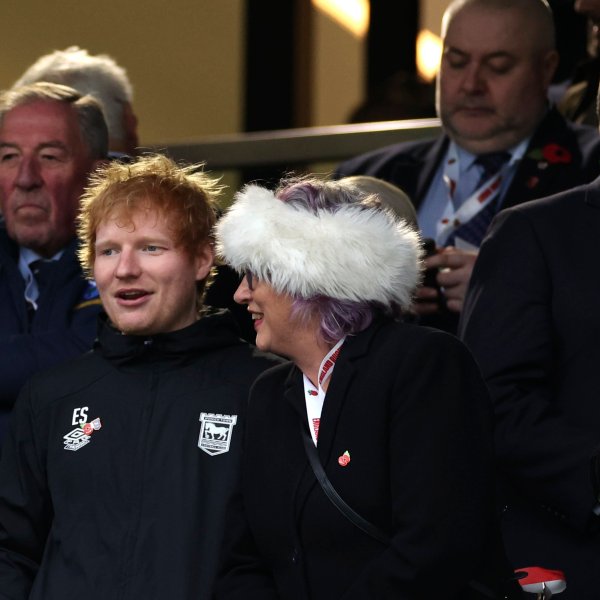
x=298 y=146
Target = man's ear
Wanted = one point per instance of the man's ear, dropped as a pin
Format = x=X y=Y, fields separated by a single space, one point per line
x=204 y=260
x=549 y=65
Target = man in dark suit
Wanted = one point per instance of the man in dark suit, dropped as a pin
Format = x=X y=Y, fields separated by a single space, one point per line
x=578 y=103
x=51 y=139
x=502 y=145
x=531 y=319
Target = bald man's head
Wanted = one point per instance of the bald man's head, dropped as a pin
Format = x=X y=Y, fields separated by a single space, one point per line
x=536 y=16
x=498 y=61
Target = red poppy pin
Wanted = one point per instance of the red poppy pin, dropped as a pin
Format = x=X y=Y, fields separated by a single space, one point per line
x=551 y=154
x=554 y=153
x=89 y=428
x=344 y=459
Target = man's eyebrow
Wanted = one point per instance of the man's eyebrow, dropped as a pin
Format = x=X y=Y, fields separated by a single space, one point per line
x=53 y=144
x=155 y=240
x=489 y=56
x=150 y=240
x=499 y=54
x=454 y=49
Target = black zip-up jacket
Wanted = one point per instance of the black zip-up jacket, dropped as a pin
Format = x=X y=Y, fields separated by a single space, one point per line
x=119 y=464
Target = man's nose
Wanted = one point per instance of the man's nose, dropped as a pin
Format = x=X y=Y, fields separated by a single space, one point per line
x=473 y=79
x=128 y=265
x=29 y=176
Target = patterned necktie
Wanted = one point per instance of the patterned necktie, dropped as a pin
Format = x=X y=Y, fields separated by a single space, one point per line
x=474 y=230
x=43 y=271
x=491 y=162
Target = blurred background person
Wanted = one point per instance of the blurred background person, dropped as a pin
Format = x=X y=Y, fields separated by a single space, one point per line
x=395 y=416
x=390 y=196
x=579 y=100
x=532 y=323
x=102 y=78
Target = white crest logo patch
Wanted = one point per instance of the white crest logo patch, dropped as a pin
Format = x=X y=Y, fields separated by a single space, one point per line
x=215 y=432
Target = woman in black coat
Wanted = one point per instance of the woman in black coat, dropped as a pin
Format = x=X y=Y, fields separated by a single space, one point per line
x=396 y=414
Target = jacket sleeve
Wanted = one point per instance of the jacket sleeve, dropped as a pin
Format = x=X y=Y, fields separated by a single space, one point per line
x=25 y=505
x=243 y=574
x=441 y=478
x=27 y=353
x=508 y=323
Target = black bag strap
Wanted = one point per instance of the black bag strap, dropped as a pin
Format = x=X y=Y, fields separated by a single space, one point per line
x=352 y=516
x=331 y=493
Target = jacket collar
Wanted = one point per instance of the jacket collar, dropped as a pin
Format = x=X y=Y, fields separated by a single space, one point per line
x=534 y=177
x=552 y=160
x=216 y=329
x=7 y=246
x=10 y=249
x=354 y=348
x=416 y=171
x=346 y=368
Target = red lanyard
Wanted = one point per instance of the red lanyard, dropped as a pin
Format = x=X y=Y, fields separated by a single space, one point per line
x=315 y=396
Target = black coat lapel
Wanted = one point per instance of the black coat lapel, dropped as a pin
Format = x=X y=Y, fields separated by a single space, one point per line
x=340 y=388
x=414 y=172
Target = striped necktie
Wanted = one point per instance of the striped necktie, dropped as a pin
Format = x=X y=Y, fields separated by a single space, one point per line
x=43 y=271
x=474 y=230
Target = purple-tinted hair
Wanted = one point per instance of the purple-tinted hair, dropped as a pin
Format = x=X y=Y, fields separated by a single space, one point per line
x=337 y=318
x=317 y=194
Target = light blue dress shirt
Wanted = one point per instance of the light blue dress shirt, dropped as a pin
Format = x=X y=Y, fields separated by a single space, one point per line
x=26 y=257
x=436 y=199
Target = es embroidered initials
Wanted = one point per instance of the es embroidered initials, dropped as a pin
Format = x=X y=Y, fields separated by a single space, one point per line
x=80 y=415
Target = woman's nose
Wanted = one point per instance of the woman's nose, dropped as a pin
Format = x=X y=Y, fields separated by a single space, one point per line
x=243 y=293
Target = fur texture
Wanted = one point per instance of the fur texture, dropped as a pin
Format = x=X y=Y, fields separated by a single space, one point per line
x=355 y=253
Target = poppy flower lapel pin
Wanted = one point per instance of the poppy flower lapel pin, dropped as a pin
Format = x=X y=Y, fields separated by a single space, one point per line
x=547 y=156
x=550 y=154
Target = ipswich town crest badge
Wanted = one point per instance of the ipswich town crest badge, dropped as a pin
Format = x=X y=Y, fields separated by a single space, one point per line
x=215 y=432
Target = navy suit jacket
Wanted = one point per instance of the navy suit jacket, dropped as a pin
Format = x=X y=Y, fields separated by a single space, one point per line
x=411 y=166
x=63 y=326
x=531 y=319
x=560 y=156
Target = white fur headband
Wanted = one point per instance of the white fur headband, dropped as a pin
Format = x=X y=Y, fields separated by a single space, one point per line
x=355 y=253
